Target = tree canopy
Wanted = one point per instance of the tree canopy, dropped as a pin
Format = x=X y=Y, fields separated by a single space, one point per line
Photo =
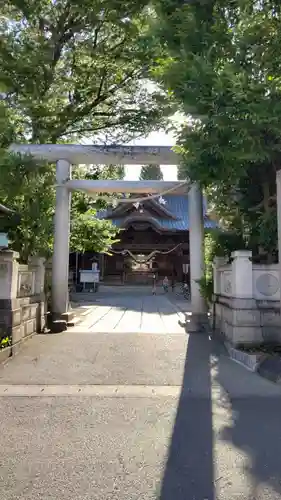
x=27 y=188
x=22 y=183
x=71 y=70
x=222 y=66
x=151 y=172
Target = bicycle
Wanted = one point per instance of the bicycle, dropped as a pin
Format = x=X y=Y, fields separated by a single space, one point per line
x=186 y=291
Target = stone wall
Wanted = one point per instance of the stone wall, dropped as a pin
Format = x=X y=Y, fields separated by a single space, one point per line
x=247 y=301
x=22 y=302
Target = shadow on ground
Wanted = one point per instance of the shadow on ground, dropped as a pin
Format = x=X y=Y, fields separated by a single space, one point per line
x=189 y=469
x=249 y=435
x=255 y=431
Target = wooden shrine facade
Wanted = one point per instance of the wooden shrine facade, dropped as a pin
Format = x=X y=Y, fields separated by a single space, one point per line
x=154 y=241
x=134 y=259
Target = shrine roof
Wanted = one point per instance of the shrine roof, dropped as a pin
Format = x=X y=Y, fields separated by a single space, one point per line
x=177 y=205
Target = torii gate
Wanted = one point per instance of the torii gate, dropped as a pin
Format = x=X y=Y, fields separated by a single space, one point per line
x=65 y=156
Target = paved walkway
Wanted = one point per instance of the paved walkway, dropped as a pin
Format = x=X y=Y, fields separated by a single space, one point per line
x=132 y=312
x=136 y=416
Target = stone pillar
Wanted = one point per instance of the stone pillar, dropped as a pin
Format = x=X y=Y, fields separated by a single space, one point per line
x=278 y=195
x=242 y=274
x=243 y=321
x=196 y=246
x=10 y=311
x=217 y=263
x=8 y=275
x=38 y=264
x=61 y=241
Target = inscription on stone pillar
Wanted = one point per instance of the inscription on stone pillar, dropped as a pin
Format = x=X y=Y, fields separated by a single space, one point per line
x=267 y=284
x=3 y=270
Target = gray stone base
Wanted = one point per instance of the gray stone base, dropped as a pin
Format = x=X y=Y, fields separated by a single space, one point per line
x=251 y=361
x=238 y=320
x=247 y=322
x=58 y=326
x=266 y=365
x=67 y=316
x=59 y=322
x=22 y=317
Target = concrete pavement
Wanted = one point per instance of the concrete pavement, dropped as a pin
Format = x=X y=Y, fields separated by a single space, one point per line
x=132 y=310
x=94 y=416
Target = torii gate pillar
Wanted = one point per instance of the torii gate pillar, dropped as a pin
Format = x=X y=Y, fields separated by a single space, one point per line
x=196 y=250
x=61 y=241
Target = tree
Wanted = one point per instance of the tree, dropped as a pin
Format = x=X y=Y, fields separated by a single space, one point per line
x=23 y=187
x=89 y=234
x=151 y=172
x=71 y=69
x=223 y=67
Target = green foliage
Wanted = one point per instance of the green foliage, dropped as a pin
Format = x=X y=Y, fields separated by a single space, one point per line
x=151 y=172
x=71 y=69
x=89 y=234
x=223 y=68
x=8 y=131
x=217 y=244
x=28 y=188
x=206 y=288
x=81 y=201
x=5 y=342
x=68 y=70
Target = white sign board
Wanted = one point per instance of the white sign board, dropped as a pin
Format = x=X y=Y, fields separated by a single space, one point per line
x=89 y=276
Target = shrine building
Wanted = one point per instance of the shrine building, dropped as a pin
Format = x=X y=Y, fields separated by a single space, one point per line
x=154 y=241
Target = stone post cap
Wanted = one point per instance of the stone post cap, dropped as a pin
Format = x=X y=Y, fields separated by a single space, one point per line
x=219 y=261
x=241 y=254
x=9 y=255
x=36 y=261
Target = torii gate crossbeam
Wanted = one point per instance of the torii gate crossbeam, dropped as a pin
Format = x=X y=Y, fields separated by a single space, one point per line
x=138 y=187
x=100 y=155
x=65 y=155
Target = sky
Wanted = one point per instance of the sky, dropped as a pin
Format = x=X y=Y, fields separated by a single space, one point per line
x=154 y=139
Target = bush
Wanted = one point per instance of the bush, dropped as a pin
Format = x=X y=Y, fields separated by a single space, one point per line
x=206 y=287
x=5 y=342
x=217 y=244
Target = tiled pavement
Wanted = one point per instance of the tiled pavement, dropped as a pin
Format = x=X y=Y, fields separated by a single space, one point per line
x=133 y=311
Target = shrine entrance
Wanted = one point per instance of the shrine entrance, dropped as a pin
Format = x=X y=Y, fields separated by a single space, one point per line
x=67 y=155
x=142 y=268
